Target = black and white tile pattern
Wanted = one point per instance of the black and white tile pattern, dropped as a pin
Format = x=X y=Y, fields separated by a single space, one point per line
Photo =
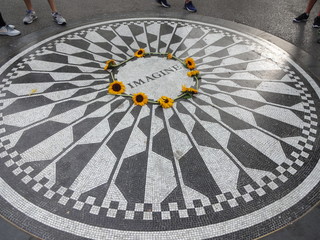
x=241 y=152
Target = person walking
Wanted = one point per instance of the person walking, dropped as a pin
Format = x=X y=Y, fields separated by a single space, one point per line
x=7 y=30
x=304 y=16
x=31 y=14
x=188 y=5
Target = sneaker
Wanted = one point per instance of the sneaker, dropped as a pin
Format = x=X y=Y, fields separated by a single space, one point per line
x=316 y=23
x=30 y=17
x=8 y=31
x=302 y=18
x=58 y=18
x=163 y=3
x=189 y=6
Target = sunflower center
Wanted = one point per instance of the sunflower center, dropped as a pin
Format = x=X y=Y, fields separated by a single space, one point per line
x=116 y=87
x=139 y=98
x=155 y=76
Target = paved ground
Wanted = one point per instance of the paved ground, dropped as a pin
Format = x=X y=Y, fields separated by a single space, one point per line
x=271 y=17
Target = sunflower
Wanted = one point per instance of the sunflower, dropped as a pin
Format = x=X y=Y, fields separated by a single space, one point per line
x=140 y=53
x=189 y=90
x=140 y=99
x=110 y=64
x=116 y=87
x=192 y=90
x=165 y=102
x=169 y=56
x=193 y=73
x=190 y=63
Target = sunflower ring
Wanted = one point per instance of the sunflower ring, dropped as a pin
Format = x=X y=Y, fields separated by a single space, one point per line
x=118 y=88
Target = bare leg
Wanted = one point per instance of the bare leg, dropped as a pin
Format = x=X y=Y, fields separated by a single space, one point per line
x=28 y=4
x=310 y=6
x=52 y=5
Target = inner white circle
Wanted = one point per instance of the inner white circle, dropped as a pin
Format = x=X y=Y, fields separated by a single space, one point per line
x=155 y=76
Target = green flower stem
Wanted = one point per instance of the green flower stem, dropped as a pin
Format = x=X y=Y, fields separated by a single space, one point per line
x=151 y=101
x=155 y=53
x=115 y=66
x=181 y=96
x=197 y=82
x=125 y=95
x=112 y=76
x=178 y=59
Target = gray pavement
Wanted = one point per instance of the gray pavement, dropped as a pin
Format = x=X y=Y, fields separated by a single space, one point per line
x=272 y=17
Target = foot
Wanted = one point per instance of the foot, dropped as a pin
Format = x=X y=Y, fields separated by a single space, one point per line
x=8 y=31
x=189 y=7
x=301 y=18
x=30 y=17
x=164 y=3
x=58 y=18
x=316 y=23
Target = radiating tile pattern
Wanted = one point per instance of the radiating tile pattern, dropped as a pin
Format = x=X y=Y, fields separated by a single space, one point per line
x=245 y=141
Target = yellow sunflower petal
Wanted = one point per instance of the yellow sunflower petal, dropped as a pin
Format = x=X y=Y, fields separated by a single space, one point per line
x=169 y=56
x=190 y=63
x=140 y=53
x=33 y=91
x=192 y=90
x=116 y=87
x=165 y=102
x=184 y=88
x=140 y=99
x=109 y=64
x=193 y=73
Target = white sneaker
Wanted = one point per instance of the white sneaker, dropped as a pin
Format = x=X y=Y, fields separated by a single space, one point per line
x=58 y=18
x=8 y=31
x=30 y=17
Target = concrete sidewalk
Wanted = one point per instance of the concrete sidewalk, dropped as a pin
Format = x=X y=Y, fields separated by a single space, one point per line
x=273 y=17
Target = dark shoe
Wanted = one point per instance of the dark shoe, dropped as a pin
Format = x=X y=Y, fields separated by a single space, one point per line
x=189 y=6
x=163 y=3
x=302 y=18
x=316 y=23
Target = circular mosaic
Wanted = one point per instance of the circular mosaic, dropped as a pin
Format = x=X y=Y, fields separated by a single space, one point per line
x=238 y=155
